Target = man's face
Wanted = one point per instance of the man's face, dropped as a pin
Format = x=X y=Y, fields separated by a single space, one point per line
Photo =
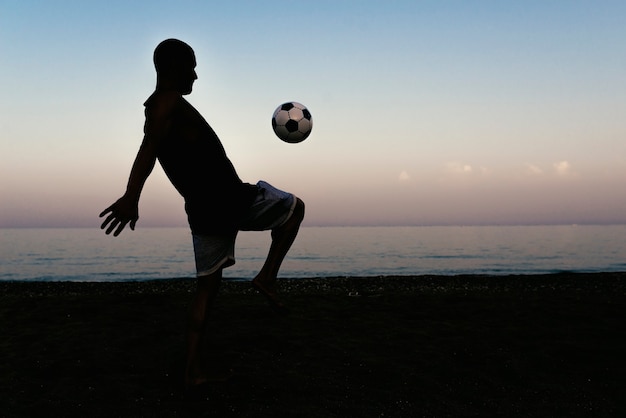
x=187 y=76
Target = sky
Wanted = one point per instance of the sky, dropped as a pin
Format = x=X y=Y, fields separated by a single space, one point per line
x=424 y=112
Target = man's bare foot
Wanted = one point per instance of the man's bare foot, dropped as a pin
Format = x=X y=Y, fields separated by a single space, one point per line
x=269 y=291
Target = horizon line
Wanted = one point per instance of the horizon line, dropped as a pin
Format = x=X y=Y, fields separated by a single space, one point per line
x=328 y=225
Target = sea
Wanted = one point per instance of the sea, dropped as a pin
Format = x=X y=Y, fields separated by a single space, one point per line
x=87 y=254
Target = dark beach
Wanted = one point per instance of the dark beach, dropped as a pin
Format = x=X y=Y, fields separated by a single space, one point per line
x=425 y=346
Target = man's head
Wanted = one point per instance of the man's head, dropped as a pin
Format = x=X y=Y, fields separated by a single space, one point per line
x=175 y=64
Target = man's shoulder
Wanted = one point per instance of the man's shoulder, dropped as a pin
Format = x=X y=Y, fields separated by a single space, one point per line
x=159 y=98
x=162 y=104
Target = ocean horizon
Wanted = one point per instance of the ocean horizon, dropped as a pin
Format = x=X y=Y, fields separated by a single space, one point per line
x=87 y=254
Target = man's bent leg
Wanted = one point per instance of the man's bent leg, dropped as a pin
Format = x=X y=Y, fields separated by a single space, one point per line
x=282 y=239
x=201 y=304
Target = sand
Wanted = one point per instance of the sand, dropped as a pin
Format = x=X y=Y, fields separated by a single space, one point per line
x=426 y=346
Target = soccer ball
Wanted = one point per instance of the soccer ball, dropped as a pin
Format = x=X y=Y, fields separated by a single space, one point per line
x=292 y=122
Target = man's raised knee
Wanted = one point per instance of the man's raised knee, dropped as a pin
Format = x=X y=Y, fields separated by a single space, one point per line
x=298 y=211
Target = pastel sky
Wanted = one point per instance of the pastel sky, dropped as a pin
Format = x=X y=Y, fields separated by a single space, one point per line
x=425 y=112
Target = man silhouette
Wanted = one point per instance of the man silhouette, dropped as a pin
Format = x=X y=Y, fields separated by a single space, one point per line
x=217 y=202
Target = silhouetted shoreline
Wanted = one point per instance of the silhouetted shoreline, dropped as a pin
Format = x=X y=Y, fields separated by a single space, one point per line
x=565 y=281
x=545 y=345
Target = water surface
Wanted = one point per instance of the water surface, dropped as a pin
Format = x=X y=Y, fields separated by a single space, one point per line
x=157 y=253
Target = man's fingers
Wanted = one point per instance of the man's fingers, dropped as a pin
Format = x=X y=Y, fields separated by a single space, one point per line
x=112 y=226
x=116 y=223
x=106 y=221
x=120 y=228
x=104 y=212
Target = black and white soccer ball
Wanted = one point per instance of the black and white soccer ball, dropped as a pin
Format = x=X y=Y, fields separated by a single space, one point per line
x=292 y=122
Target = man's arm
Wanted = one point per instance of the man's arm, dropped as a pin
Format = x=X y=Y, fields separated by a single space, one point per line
x=126 y=209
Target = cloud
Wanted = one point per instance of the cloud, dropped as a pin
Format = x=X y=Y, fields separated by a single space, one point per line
x=562 y=168
x=533 y=169
x=459 y=168
x=485 y=171
x=462 y=169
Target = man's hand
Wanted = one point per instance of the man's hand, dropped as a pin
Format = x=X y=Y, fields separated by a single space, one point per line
x=125 y=210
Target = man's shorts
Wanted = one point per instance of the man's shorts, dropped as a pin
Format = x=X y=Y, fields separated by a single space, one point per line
x=271 y=208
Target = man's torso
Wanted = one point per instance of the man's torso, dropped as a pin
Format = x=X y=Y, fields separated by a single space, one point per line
x=194 y=160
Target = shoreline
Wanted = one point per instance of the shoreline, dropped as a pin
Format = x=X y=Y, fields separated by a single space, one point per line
x=393 y=346
x=428 y=283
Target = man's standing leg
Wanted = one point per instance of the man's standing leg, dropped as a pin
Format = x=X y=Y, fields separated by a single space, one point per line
x=207 y=288
x=282 y=239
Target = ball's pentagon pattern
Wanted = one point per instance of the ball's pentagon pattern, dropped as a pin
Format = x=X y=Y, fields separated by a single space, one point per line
x=292 y=122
